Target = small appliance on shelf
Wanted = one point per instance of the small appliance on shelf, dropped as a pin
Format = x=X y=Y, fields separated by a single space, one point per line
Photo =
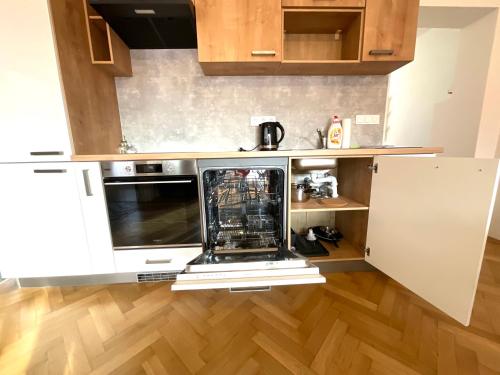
x=328 y=234
x=310 y=245
x=322 y=185
x=307 y=246
x=269 y=136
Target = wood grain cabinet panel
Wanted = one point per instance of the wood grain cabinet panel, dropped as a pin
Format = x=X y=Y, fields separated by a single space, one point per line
x=90 y=91
x=324 y=3
x=390 y=30
x=239 y=30
x=107 y=49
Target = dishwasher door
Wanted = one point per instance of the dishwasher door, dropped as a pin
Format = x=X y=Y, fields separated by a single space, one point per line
x=248 y=271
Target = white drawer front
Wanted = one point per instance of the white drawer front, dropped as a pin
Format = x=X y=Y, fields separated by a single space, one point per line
x=154 y=259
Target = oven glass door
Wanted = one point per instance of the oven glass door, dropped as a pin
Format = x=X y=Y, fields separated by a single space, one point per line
x=151 y=212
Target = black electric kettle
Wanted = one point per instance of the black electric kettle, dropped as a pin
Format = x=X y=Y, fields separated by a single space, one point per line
x=269 y=136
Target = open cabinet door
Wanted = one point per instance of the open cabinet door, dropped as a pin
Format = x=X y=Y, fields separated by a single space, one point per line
x=428 y=224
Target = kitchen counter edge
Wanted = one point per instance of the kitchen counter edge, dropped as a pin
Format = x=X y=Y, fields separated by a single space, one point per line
x=261 y=154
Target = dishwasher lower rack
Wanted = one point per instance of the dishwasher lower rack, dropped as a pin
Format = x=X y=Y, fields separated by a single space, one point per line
x=247 y=233
x=244 y=204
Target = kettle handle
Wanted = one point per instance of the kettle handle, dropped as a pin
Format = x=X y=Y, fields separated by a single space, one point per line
x=282 y=132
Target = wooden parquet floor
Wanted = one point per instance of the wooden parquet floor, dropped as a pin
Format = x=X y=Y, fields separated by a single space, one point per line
x=358 y=323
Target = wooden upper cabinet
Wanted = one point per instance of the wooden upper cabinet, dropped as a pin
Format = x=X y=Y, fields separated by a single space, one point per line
x=324 y=3
x=390 y=30
x=239 y=30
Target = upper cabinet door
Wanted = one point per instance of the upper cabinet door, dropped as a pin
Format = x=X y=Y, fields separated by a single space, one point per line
x=33 y=123
x=428 y=224
x=390 y=30
x=238 y=30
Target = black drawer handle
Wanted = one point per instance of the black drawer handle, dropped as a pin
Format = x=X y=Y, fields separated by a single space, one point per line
x=41 y=171
x=381 y=52
x=46 y=153
x=158 y=261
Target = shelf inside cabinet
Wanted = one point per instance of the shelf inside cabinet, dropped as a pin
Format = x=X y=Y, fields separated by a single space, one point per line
x=345 y=252
x=322 y=35
x=333 y=204
x=100 y=36
x=107 y=50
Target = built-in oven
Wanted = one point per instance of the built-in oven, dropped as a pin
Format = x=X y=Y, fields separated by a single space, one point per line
x=152 y=204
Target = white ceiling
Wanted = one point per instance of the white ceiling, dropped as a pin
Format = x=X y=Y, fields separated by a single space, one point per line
x=450 y=17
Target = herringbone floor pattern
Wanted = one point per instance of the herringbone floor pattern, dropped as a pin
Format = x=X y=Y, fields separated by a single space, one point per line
x=358 y=323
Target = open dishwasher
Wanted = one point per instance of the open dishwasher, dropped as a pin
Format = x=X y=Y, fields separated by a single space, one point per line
x=244 y=206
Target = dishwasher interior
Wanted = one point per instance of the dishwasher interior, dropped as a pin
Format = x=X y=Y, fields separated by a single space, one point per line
x=244 y=209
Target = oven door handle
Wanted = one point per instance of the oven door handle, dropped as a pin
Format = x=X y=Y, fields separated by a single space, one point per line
x=147 y=182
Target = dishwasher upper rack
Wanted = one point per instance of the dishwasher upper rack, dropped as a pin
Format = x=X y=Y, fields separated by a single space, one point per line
x=251 y=200
x=236 y=190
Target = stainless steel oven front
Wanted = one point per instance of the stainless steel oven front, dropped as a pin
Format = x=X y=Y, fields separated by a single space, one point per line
x=152 y=204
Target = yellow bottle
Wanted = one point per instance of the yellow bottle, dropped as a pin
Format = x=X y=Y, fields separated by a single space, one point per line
x=335 y=133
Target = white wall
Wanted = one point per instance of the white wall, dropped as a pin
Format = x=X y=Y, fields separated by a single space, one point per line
x=438 y=99
x=457 y=122
x=489 y=127
x=417 y=89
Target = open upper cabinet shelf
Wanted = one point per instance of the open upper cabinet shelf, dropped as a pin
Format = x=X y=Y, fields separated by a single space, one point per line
x=106 y=48
x=322 y=35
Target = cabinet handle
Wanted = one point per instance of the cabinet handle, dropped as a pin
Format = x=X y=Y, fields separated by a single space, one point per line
x=250 y=289
x=86 y=182
x=148 y=182
x=263 y=53
x=381 y=52
x=46 y=153
x=158 y=261
x=49 y=170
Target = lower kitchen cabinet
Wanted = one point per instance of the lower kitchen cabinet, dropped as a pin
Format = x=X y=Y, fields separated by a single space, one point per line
x=54 y=220
x=422 y=221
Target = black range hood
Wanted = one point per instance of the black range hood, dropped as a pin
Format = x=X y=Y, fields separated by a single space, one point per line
x=150 y=24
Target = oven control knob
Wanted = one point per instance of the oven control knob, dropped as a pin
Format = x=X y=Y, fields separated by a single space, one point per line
x=128 y=168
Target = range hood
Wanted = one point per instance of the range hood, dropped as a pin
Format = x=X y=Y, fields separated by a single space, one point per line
x=150 y=24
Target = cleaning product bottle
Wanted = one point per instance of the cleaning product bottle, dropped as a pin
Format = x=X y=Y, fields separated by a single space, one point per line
x=335 y=133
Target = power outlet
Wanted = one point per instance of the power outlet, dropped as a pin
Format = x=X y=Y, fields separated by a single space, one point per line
x=257 y=120
x=368 y=120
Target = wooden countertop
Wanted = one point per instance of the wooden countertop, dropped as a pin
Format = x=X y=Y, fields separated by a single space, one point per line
x=262 y=154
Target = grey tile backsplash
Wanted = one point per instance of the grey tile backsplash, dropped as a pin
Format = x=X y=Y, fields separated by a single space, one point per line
x=169 y=105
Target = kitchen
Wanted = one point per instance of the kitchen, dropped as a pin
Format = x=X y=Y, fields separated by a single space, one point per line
x=96 y=226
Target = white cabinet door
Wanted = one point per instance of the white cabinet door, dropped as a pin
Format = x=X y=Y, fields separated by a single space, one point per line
x=428 y=225
x=43 y=230
x=95 y=216
x=33 y=123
